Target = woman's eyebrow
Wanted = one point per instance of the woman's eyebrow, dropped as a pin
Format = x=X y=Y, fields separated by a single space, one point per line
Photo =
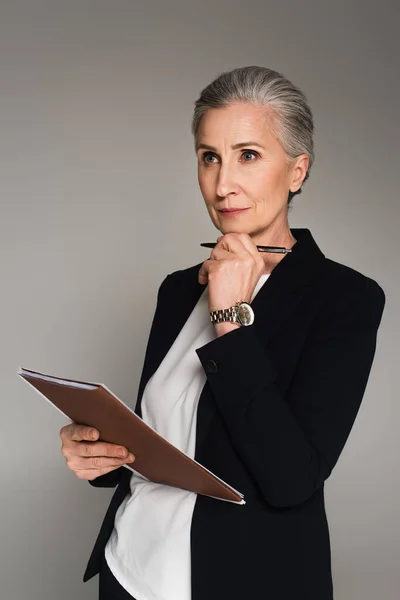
x=234 y=147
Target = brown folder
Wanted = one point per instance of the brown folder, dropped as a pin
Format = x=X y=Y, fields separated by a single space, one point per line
x=93 y=404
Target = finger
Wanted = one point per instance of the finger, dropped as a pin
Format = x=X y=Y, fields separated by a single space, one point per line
x=88 y=449
x=249 y=245
x=241 y=243
x=237 y=243
x=77 y=433
x=203 y=272
x=78 y=463
x=91 y=474
x=219 y=253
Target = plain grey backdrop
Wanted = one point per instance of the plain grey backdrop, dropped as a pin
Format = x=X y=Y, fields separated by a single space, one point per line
x=99 y=201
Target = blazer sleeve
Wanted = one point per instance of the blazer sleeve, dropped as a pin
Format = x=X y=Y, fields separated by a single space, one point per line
x=290 y=442
x=113 y=478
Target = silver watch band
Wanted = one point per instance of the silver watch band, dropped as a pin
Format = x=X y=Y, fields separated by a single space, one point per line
x=223 y=315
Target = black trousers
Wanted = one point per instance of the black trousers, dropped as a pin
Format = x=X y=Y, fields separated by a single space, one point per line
x=109 y=587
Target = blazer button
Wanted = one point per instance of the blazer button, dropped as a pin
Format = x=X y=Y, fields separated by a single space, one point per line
x=211 y=366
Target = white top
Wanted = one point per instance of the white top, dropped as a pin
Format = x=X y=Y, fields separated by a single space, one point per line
x=149 y=549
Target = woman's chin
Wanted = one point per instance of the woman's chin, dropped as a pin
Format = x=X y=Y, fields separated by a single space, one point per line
x=234 y=228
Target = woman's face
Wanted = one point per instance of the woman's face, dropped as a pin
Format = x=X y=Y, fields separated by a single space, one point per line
x=242 y=165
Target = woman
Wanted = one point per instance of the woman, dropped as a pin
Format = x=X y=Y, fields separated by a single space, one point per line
x=267 y=404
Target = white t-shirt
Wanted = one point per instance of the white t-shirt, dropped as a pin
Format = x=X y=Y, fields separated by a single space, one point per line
x=149 y=549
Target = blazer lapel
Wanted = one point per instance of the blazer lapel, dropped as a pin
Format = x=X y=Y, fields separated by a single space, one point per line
x=286 y=285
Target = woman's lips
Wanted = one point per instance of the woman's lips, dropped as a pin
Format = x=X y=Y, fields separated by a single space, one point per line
x=232 y=213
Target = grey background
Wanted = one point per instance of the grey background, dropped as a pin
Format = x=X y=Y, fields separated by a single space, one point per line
x=99 y=201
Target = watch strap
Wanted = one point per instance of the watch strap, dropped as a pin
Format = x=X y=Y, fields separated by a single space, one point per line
x=223 y=315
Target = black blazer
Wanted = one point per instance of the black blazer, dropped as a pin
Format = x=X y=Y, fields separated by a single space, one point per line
x=279 y=402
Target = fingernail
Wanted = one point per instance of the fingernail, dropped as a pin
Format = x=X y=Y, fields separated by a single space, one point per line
x=131 y=457
x=122 y=452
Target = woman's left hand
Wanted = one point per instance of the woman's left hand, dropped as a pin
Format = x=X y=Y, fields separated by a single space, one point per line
x=232 y=271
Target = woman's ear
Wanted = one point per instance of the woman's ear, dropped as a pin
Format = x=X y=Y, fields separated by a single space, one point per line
x=298 y=172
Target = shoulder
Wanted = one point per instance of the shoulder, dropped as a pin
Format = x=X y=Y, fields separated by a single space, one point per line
x=187 y=272
x=337 y=275
x=188 y=275
x=344 y=288
x=177 y=281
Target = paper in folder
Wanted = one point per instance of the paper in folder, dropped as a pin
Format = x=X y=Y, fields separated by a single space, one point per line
x=93 y=404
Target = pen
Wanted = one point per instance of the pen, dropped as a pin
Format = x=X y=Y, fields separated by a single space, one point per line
x=277 y=249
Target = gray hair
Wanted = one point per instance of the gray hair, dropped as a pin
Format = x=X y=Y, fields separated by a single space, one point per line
x=293 y=124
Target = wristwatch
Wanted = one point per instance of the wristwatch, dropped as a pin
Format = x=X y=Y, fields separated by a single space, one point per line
x=241 y=313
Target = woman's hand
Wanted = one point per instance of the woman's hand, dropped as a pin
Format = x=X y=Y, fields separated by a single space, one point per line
x=232 y=271
x=87 y=458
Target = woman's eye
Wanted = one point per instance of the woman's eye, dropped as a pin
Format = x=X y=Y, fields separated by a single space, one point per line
x=207 y=155
x=249 y=152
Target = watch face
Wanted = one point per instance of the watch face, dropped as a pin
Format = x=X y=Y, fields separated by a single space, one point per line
x=245 y=314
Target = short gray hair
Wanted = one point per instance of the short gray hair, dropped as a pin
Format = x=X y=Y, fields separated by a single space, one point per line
x=293 y=124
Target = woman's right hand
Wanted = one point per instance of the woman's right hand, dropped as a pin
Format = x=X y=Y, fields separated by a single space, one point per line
x=88 y=458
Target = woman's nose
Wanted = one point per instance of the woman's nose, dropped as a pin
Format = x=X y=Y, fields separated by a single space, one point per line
x=226 y=183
